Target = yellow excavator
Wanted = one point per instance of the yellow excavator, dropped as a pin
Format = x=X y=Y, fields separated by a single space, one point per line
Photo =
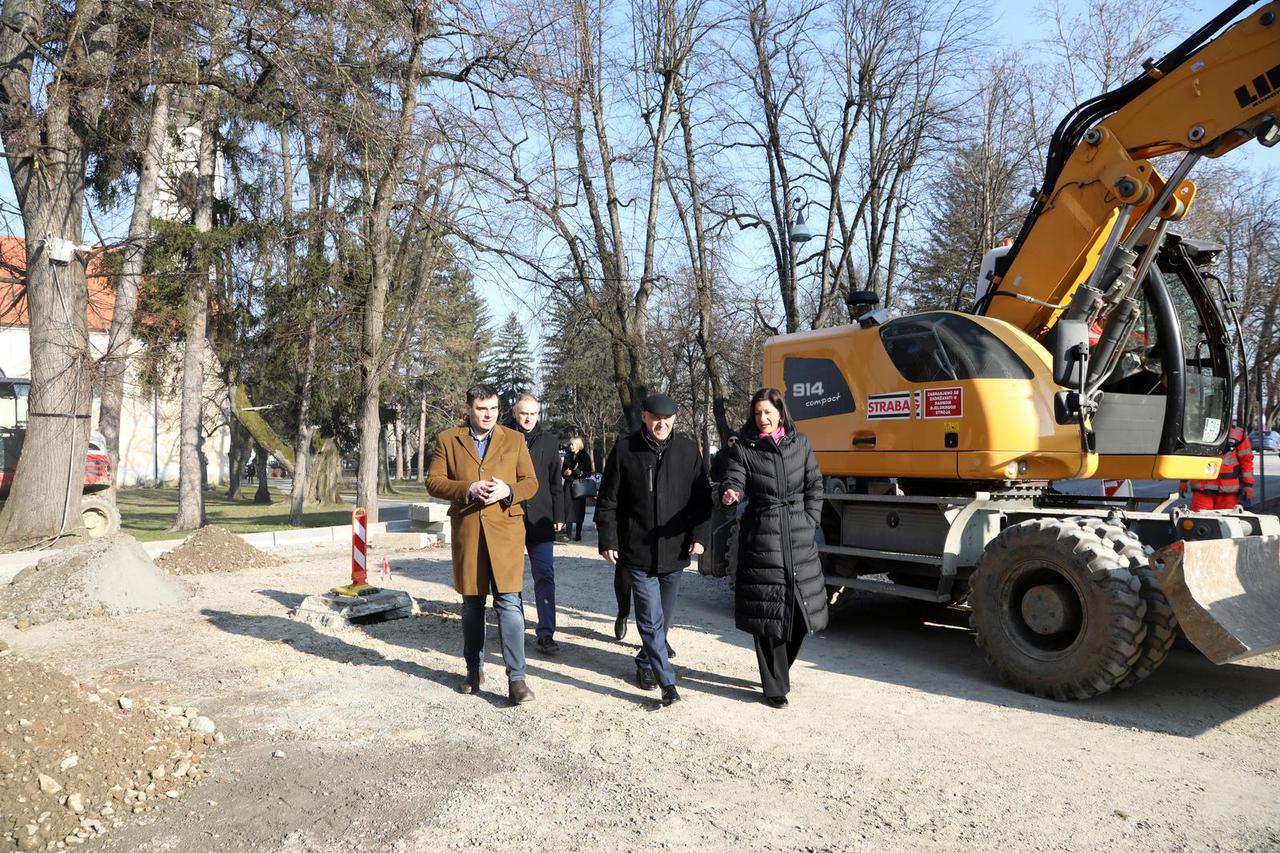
x=1099 y=347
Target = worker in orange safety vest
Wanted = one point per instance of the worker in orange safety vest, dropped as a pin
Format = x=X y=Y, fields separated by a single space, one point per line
x=1235 y=478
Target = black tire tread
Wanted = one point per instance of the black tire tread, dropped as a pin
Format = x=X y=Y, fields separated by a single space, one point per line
x=1160 y=620
x=1117 y=583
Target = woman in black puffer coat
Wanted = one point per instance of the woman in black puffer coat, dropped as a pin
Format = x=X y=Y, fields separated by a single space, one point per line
x=780 y=594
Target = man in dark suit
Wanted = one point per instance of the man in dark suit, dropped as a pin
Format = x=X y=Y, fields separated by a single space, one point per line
x=543 y=516
x=652 y=512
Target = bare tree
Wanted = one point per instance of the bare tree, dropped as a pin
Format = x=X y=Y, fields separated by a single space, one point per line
x=55 y=70
x=855 y=121
x=973 y=199
x=557 y=153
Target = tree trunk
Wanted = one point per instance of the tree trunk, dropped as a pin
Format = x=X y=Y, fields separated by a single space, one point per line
x=116 y=361
x=263 y=495
x=399 y=436
x=422 y=437
x=302 y=442
x=235 y=460
x=384 y=465
x=190 y=493
x=326 y=474
x=407 y=446
x=45 y=499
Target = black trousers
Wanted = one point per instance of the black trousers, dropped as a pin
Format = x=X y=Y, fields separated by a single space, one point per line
x=622 y=590
x=776 y=656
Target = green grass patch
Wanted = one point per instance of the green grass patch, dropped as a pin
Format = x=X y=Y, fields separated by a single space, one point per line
x=147 y=514
x=407 y=490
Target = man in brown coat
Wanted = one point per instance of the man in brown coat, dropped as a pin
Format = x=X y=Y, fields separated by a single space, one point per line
x=485 y=472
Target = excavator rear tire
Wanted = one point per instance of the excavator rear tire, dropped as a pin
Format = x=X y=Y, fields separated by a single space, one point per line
x=1088 y=641
x=1161 y=622
x=99 y=516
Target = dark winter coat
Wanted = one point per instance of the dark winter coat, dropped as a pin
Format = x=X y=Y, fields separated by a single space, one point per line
x=652 y=511
x=546 y=508
x=777 y=542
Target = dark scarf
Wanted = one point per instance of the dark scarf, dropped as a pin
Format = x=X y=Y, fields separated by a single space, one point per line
x=658 y=447
x=529 y=437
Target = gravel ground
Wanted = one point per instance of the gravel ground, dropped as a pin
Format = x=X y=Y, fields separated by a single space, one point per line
x=897 y=738
x=76 y=761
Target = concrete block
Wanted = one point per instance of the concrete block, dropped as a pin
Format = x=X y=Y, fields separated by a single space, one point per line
x=343 y=611
x=432 y=517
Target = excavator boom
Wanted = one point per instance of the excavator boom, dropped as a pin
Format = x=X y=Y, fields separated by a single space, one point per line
x=1203 y=99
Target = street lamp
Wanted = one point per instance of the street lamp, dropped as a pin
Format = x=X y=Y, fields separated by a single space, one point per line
x=800 y=230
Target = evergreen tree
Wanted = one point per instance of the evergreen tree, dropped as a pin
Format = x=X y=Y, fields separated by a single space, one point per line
x=510 y=362
x=579 y=397
x=976 y=204
x=448 y=349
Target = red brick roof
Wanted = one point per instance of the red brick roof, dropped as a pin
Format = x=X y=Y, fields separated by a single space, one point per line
x=13 y=289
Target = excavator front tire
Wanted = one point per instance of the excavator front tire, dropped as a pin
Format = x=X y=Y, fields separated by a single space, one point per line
x=99 y=516
x=1161 y=622
x=1056 y=610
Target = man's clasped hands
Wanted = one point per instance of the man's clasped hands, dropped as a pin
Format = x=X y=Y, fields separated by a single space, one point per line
x=488 y=491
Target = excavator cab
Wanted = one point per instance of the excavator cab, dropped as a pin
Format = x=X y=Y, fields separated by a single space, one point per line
x=1172 y=386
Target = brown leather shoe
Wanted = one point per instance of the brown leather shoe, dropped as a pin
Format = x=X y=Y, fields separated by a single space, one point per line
x=518 y=692
x=471 y=684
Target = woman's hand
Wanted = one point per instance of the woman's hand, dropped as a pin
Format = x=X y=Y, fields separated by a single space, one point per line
x=730 y=497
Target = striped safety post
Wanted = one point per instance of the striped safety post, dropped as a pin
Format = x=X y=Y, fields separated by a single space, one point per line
x=359 y=545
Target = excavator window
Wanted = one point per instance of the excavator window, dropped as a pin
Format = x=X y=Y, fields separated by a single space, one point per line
x=943 y=347
x=1206 y=397
x=13 y=421
x=13 y=405
x=1139 y=370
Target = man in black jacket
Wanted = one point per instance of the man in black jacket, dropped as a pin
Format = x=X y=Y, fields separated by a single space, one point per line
x=652 y=513
x=543 y=516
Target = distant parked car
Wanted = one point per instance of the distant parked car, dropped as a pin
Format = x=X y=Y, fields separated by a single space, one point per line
x=1265 y=441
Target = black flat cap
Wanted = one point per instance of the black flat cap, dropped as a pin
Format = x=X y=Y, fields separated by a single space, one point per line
x=660 y=405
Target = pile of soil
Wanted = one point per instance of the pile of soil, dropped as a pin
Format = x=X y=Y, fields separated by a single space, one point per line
x=214 y=549
x=75 y=762
x=110 y=576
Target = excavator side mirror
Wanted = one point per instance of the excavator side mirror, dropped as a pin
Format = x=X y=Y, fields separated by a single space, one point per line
x=1268 y=133
x=1068 y=343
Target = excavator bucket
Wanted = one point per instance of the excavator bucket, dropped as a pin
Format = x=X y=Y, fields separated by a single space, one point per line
x=1225 y=592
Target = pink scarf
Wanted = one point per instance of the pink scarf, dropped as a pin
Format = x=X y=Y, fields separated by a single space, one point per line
x=777 y=434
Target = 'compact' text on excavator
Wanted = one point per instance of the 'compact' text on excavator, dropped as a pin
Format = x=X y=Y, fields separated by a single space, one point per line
x=1100 y=346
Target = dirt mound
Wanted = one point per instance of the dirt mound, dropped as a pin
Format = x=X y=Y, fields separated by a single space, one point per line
x=75 y=762
x=214 y=549
x=110 y=576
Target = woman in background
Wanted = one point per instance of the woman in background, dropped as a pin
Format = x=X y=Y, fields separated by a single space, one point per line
x=577 y=466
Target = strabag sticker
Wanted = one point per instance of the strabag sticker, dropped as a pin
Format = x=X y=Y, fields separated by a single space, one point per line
x=889 y=407
x=942 y=403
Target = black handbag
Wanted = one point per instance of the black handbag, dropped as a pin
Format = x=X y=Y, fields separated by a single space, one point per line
x=583 y=487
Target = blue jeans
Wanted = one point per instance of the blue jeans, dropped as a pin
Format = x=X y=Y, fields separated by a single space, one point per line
x=544 y=586
x=655 y=606
x=510 y=630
